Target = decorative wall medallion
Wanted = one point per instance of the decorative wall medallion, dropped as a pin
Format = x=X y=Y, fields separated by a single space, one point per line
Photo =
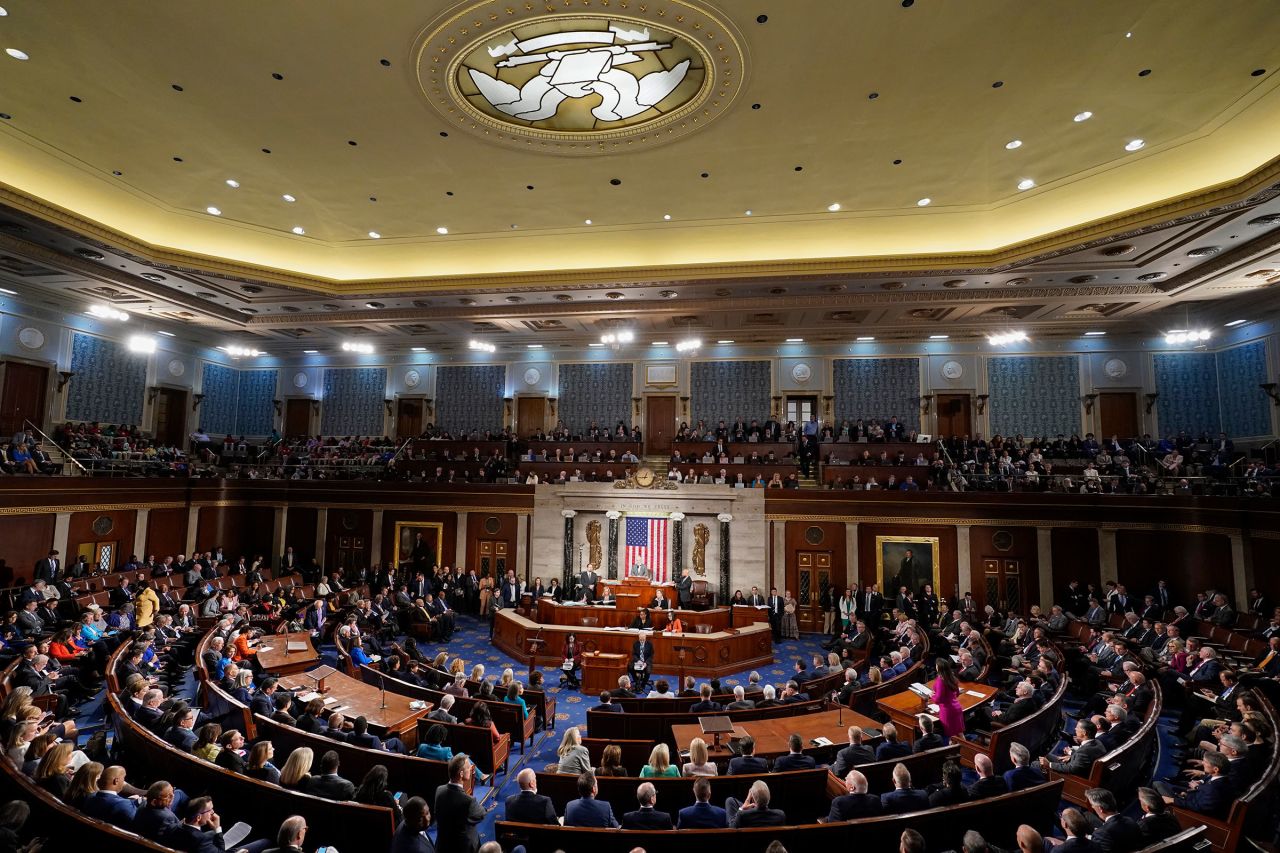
x=102 y=525
x=1002 y=540
x=492 y=525
x=1115 y=368
x=952 y=370
x=412 y=378
x=532 y=376
x=349 y=522
x=802 y=373
x=177 y=367
x=31 y=338
x=299 y=380
x=813 y=535
x=565 y=80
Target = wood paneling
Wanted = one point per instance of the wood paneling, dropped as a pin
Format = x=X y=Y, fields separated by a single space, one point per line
x=531 y=414
x=954 y=414
x=27 y=538
x=1075 y=557
x=1266 y=557
x=807 y=545
x=297 y=417
x=348 y=525
x=1117 y=414
x=659 y=424
x=1190 y=562
x=1022 y=548
x=23 y=396
x=300 y=532
x=244 y=530
x=166 y=532
x=500 y=529
x=123 y=523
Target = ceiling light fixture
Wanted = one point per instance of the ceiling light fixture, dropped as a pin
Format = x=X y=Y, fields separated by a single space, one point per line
x=938 y=337
x=595 y=345
x=1230 y=325
x=862 y=339
x=8 y=291
x=3 y=11
x=1013 y=143
x=614 y=340
x=106 y=312
x=667 y=217
x=310 y=351
x=233 y=183
x=795 y=340
x=724 y=342
x=142 y=344
x=236 y=351
x=1094 y=334
x=442 y=230
x=17 y=54
x=689 y=345
x=357 y=347
x=534 y=346
x=833 y=207
x=1002 y=338
x=924 y=202
x=1082 y=116
x=747 y=212
x=586 y=222
x=1135 y=145
x=213 y=210
x=375 y=235
x=299 y=230
x=288 y=198
x=418 y=349
x=1187 y=336
x=481 y=346
x=659 y=343
x=166 y=334
x=1026 y=184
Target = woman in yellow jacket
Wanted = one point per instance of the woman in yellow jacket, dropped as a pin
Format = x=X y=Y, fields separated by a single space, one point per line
x=146 y=605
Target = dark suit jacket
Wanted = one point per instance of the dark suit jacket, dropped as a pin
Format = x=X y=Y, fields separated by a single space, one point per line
x=1019 y=709
x=528 y=807
x=744 y=765
x=194 y=840
x=456 y=814
x=1020 y=778
x=1082 y=758
x=112 y=808
x=708 y=707
x=331 y=786
x=852 y=806
x=759 y=817
x=154 y=823
x=649 y=818
x=648 y=652
x=1077 y=845
x=183 y=739
x=887 y=750
x=904 y=800
x=992 y=786
x=1212 y=798
x=586 y=811
x=407 y=840
x=793 y=761
x=1119 y=833
x=702 y=816
x=1158 y=827
x=850 y=757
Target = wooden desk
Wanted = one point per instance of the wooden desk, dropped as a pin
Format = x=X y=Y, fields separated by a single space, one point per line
x=357 y=699
x=745 y=615
x=903 y=707
x=573 y=615
x=601 y=671
x=713 y=655
x=633 y=594
x=771 y=734
x=279 y=661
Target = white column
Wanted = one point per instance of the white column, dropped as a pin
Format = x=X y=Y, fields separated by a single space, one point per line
x=519 y=560
x=964 y=567
x=141 y=519
x=778 y=561
x=851 y=555
x=193 y=525
x=375 y=540
x=322 y=533
x=1107 y=569
x=1044 y=559
x=1240 y=571
x=62 y=537
x=461 y=549
x=278 y=527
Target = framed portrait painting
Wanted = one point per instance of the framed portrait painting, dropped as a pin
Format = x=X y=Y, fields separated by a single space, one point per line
x=910 y=561
x=419 y=545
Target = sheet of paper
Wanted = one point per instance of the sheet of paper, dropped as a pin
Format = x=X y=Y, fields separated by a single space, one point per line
x=974 y=693
x=304 y=698
x=237 y=833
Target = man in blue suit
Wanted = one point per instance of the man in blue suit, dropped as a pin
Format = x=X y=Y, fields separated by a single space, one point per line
x=855 y=804
x=529 y=806
x=107 y=804
x=702 y=815
x=156 y=819
x=754 y=811
x=892 y=747
x=587 y=810
x=181 y=734
x=903 y=798
x=795 y=759
x=1023 y=775
x=747 y=763
x=646 y=817
x=1211 y=797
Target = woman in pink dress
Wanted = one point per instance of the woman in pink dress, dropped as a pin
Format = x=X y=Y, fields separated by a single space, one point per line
x=946 y=695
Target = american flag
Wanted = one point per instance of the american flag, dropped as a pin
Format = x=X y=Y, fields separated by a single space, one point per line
x=647 y=543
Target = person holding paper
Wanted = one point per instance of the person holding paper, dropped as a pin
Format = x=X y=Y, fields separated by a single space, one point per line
x=946 y=695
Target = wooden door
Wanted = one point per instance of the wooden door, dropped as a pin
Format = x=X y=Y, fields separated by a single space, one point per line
x=806 y=581
x=171 y=416
x=23 y=396
x=408 y=419
x=297 y=418
x=954 y=415
x=351 y=554
x=102 y=556
x=659 y=424
x=1118 y=414
x=1002 y=587
x=491 y=554
x=531 y=415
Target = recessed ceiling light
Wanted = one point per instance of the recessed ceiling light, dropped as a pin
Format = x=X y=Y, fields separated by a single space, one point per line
x=1094 y=334
x=310 y=351
x=375 y=235
x=8 y=291
x=1135 y=144
x=1083 y=116
x=288 y=198
x=724 y=342
x=1128 y=35
x=1232 y=324
x=3 y=11
x=534 y=346
x=418 y=349
x=795 y=340
x=833 y=207
x=659 y=343
x=215 y=211
x=938 y=337
x=666 y=216
x=748 y=213
x=595 y=345
x=1013 y=143
x=1026 y=184
x=299 y=230
x=865 y=338
x=442 y=230
x=924 y=202
x=16 y=54
x=233 y=183
x=586 y=222
x=166 y=334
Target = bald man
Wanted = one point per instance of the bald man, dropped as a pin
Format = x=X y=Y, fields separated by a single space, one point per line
x=529 y=806
x=107 y=804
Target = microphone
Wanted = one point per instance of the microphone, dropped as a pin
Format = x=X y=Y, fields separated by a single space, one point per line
x=835 y=697
x=383 y=680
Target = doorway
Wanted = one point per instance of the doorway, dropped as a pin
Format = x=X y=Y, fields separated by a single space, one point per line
x=491 y=557
x=1118 y=414
x=171 y=416
x=23 y=396
x=297 y=417
x=531 y=415
x=659 y=424
x=811 y=575
x=351 y=553
x=102 y=555
x=954 y=415
x=408 y=418
x=800 y=409
x=1003 y=588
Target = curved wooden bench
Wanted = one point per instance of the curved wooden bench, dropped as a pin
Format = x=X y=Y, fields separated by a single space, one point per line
x=1119 y=769
x=657 y=727
x=475 y=741
x=635 y=753
x=943 y=828
x=925 y=767
x=1031 y=731
x=1188 y=841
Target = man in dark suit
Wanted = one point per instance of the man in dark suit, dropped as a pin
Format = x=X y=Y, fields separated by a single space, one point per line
x=903 y=798
x=1076 y=826
x=795 y=759
x=857 y=802
x=587 y=810
x=1157 y=822
x=1023 y=775
x=854 y=754
x=201 y=832
x=988 y=784
x=49 y=569
x=702 y=815
x=892 y=747
x=705 y=705
x=755 y=599
x=747 y=763
x=1117 y=832
x=775 y=603
x=754 y=811
x=107 y=804
x=1080 y=758
x=869 y=604
x=328 y=783
x=646 y=817
x=180 y=734
x=606 y=704
x=411 y=835
x=156 y=819
x=684 y=590
x=1212 y=797
x=641 y=659
x=740 y=701
x=457 y=812
x=529 y=806
x=263 y=702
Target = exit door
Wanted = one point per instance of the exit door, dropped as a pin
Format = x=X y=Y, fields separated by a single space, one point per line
x=1003 y=583
x=102 y=555
x=812 y=575
x=801 y=409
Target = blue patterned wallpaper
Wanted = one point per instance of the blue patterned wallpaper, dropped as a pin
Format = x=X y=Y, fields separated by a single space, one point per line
x=878 y=388
x=1034 y=395
x=594 y=392
x=110 y=382
x=728 y=390
x=220 y=385
x=255 y=415
x=1187 y=383
x=1246 y=411
x=352 y=403
x=469 y=397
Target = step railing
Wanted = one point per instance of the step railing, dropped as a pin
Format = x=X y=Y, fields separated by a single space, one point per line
x=66 y=455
